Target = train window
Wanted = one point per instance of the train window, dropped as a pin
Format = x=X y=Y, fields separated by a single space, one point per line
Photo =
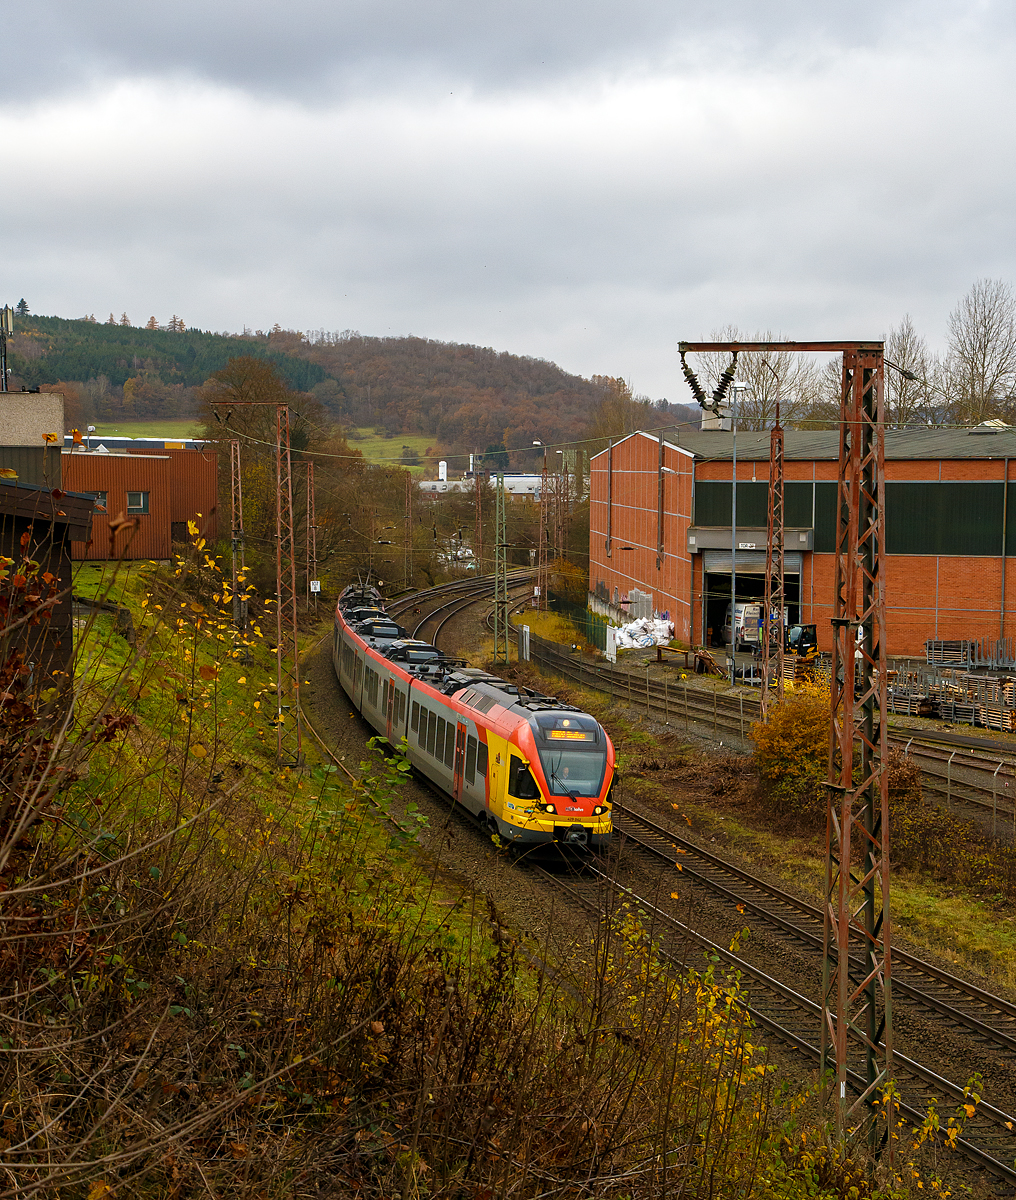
x=470 y=759
x=423 y=729
x=521 y=783
x=431 y=731
x=440 y=740
x=449 y=745
x=384 y=697
x=481 y=760
x=416 y=716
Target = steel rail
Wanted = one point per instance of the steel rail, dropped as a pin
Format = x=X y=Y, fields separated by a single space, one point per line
x=807 y=1008
x=480 y=591
x=813 y=937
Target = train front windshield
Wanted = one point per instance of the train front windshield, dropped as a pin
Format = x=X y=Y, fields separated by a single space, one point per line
x=573 y=753
x=574 y=772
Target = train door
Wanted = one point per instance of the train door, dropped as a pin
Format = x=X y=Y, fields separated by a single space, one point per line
x=460 y=758
x=390 y=707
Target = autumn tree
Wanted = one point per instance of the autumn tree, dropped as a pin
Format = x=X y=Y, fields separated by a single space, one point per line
x=619 y=413
x=239 y=402
x=909 y=368
x=124 y=319
x=151 y=323
x=111 y=320
x=979 y=374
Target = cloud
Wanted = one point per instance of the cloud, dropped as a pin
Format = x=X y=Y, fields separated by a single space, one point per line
x=320 y=49
x=593 y=214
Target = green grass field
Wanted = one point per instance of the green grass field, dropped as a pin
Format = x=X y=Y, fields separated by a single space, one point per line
x=178 y=427
x=378 y=449
x=372 y=446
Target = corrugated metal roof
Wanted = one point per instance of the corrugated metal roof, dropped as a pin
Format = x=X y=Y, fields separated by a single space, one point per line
x=818 y=444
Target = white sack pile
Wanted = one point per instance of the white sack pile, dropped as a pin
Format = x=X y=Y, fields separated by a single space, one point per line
x=643 y=632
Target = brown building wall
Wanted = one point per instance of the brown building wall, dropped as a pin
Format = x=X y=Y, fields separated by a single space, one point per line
x=48 y=518
x=118 y=474
x=194 y=489
x=632 y=560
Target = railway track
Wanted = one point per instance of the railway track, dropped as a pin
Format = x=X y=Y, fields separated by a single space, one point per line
x=453 y=598
x=990 y=1019
x=962 y=776
x=792 y=1019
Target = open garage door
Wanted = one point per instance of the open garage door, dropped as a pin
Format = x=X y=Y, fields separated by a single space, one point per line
x=751 y=571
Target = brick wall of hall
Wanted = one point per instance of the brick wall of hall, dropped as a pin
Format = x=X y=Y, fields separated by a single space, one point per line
x=926 y=597
x=632 y=562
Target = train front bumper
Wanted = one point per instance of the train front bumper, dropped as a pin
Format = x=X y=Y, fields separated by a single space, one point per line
x=576 y=834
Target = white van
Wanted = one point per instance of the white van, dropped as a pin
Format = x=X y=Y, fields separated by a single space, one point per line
x=747 y=617
x=749 y=624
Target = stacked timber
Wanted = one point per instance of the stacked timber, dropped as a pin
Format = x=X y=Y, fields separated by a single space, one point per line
x=944 y=653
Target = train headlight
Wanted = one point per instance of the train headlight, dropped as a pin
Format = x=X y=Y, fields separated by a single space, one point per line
x=549 y=808
x=600 y=809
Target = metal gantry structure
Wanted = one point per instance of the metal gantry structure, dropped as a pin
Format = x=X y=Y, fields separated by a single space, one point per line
x=311 y=547
x=561 y=514
x=478 y=530
x=857 y=896
x=542 y=566
x=856 y=1011
x=775 y=599
x=6 y=331
x=409 y=573
x=288 y=725
x=236 y=536
x=500 y=574
x=289 y=734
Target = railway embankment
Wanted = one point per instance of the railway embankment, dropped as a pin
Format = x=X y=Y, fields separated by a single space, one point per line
x=222 y=974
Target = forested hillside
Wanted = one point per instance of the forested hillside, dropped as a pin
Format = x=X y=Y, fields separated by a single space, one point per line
x=466 y=397
x=119 y=371
x=463 y=397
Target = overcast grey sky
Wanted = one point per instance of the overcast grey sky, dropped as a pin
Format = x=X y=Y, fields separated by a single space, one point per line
x=584 y=182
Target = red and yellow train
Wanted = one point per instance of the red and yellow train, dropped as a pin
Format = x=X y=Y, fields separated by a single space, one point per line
x=529 y=768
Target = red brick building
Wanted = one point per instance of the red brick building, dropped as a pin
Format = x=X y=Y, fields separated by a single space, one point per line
x=950 y=530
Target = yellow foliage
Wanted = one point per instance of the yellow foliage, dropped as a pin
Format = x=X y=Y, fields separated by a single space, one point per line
x=791 y=750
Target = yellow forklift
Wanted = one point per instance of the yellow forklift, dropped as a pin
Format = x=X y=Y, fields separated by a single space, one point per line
x=800 y=644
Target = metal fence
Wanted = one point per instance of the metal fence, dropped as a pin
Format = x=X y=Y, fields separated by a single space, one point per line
x=591 y=625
